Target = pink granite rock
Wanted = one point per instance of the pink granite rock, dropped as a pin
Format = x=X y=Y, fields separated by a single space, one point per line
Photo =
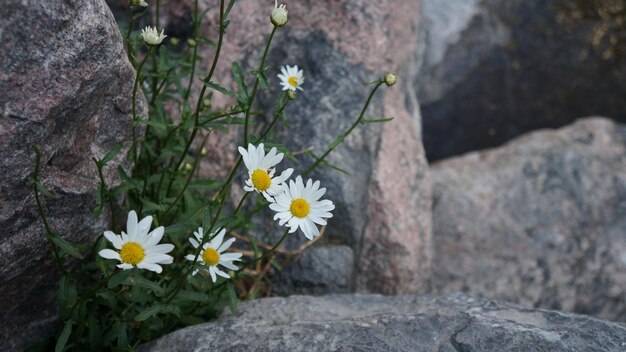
x=540 y=221
x=65 y=84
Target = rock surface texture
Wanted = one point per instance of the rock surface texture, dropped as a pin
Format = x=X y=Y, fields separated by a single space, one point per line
x=65 y=84
x=492 y=70
x=540 y=221
x=453 y=323
x=383 y=207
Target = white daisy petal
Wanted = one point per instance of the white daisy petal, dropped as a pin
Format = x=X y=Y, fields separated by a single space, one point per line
x=131 y=225
x=150 y=266
x=225 y=245
x=229 y=265
x=221 y=273
x=115 y=240
x=125 y=266
x=154 y=237
x=109 y=254
x=212 y=272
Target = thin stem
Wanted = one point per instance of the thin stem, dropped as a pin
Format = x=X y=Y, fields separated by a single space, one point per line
x=358 y=120
x=42 y=215
x=256 y=85
x=277 y=114
x=196 y=24
x=134 y=105
x=131 y=24
x=202 y=92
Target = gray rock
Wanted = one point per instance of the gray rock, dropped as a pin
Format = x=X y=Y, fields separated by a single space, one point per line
x=451 y=323
x=319 y=270
x=65 y=84
x=383 y=207
x=491 y=70
x=540 y=221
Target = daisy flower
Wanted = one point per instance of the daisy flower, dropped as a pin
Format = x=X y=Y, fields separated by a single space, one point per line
x=137 y=247
x=212 y=253
x=261 y=171
x=151 y=35
x=291 y=78
x=299 y=206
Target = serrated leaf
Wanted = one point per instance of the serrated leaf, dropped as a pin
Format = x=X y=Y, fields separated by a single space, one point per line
x=192 y=296
x=143 y=282
x=219 y=88
x=65 y=246
x=240 y=79
x=65 y=335
x=111 y=154
x=150 y=312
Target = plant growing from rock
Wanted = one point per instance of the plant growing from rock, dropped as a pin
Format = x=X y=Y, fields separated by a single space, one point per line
x=173 y=264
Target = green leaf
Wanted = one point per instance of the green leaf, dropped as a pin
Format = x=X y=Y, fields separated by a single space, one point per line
x=44 y=191
x=239 y=78
x=192 y=296
x=118 y=278
x=111 y=154
x=377 y=120
x=262 y=80
x=229 y=7
x=65 y=246
x=67 y=295
x=150 y=207
x=219 y=88
x=122 y=337
x=143 y=282
x=336 y=142
x=150 y=312
x=65 y=334
x=232 y=297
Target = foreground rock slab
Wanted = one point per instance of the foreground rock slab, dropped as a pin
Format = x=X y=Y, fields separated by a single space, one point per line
x=402 y=323
x=540 y=221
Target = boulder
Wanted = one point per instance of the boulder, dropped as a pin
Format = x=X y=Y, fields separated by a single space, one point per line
x=383 y=206
x=66 y=87
x=491 y=70
x=539 y=221
x=448 y=323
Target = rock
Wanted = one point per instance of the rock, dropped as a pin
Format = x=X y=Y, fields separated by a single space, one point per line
x=66 y=86
x=383 y=206
x=492 y=70
x=319 y=270
x=403 y=323
x=539 y=221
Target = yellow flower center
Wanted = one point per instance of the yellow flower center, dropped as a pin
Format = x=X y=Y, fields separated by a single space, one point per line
x=292 y=80
x=132 y=253
x=211 y=257
x=261 y=180
x=299 y=208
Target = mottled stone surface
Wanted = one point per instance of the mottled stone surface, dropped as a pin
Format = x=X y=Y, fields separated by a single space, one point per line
x=451 y=323
x=540 y=221
x=492 y=70
x=383 y=206
x=65 y=85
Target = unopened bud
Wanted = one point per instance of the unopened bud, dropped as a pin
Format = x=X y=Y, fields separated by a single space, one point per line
x=279 y=15
x=191 y=42
x=136 y=3
x=389 y=79
x=203 y=151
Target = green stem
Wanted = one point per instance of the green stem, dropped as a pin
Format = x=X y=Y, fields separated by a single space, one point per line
x=358 y=120
x=256 y=85
x=202 y=92
x=42 y=215
x=131 y=24
x=134 y=106
x=277 y=114
x=196 y=24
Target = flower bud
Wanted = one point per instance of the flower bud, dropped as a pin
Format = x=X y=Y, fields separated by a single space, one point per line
x=192 y=43
x=151 y=36
x=136 y=3
x=279 y=15
x=389 y=79
x=203 y=151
